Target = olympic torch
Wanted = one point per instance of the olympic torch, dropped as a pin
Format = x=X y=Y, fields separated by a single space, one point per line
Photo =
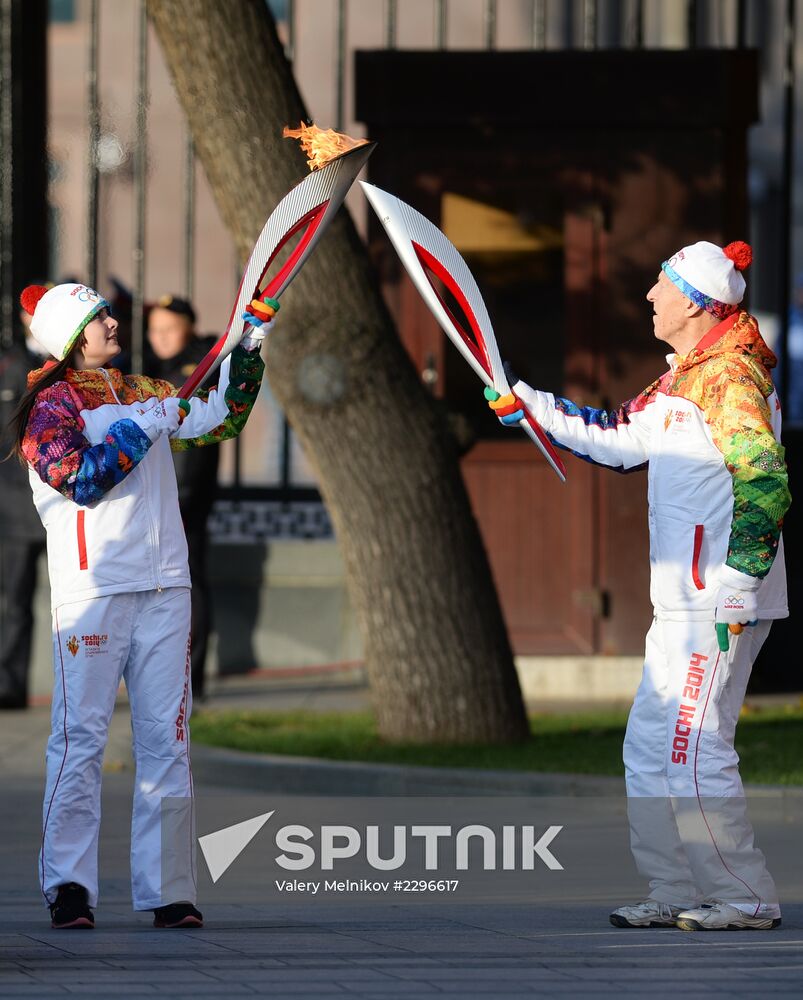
x=306 y=211
x=427 y=254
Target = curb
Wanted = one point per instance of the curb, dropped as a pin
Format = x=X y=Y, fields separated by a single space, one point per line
x=314 y=776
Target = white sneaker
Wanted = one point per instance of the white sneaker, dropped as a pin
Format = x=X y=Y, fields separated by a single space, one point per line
x=723 y=917
x=650 y=913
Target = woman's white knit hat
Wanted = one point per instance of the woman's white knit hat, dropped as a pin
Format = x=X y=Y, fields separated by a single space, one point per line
x=59 y=314
x=711 y=276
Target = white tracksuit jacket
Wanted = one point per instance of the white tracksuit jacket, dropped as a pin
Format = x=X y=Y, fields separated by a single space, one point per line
x=111 y=509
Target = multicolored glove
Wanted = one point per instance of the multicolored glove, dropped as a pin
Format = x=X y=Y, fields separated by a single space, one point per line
x=737 y=604
x=507 y=408
x=164 y=417
x=259 y=313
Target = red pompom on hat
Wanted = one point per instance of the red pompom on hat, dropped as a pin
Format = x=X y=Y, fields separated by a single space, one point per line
x=30 y=296
x=740 y=253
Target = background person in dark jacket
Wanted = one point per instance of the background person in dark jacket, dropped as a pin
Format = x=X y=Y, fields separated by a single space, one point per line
x=22 y=538
x=172 y=352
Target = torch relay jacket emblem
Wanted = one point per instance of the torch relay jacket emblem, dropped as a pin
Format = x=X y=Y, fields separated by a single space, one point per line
x=708 y=431
x=82 y=447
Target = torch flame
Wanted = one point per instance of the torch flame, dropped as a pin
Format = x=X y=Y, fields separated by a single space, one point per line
x=321 y=145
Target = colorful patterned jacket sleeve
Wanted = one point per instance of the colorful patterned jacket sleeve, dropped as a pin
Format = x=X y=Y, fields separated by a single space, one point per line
x=618 y=439
x=55 y=447
x=741 y=427
x=218 y=420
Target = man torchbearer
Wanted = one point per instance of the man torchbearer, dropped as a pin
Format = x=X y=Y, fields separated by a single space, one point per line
x=708 y=431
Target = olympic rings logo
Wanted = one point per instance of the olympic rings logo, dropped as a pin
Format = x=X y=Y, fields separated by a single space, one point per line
x=734 y=602
x=85 y=294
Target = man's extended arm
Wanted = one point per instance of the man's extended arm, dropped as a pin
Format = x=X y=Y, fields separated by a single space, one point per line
x=618 y=439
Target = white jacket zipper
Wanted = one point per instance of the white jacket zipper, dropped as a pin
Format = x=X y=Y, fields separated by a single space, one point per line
x=105 y=374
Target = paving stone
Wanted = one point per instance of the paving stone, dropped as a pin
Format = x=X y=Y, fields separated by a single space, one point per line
x=34 y=990
x=408 y=989
x=309 y=976
x=142 y=975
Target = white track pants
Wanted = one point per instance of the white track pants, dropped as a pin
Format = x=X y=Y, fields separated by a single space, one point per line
x=689 y=830
x=143 y=638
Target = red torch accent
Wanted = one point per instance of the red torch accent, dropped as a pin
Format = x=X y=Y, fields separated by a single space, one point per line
x=475 y=344
x=311 y=221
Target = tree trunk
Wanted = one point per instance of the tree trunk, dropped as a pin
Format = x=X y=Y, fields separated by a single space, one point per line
x=436 y=648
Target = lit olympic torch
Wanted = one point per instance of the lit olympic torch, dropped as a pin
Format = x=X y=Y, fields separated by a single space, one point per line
x=335 y=160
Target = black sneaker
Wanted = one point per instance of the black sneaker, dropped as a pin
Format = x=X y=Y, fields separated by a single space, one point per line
x=177 y=915
x=71 y=908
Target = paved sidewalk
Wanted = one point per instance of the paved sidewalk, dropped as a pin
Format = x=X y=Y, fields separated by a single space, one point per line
x=561 y=946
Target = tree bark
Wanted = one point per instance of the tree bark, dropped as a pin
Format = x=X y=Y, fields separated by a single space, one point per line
x=437 y=653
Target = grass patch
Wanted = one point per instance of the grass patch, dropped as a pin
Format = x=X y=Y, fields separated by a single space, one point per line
x=769 y=742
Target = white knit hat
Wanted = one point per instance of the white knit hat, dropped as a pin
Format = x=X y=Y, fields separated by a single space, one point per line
x=711 y=276
x=59 y=314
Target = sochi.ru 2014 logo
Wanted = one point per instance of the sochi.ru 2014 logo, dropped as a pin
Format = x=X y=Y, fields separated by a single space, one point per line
x=94 y=643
